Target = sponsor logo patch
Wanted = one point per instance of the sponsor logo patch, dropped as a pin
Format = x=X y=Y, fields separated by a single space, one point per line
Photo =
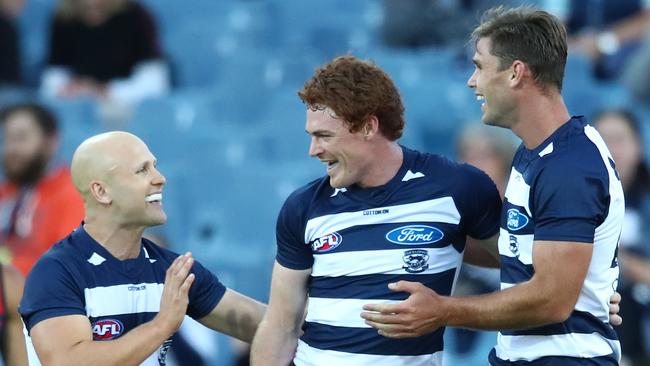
x=414 y=235
x=516 y=220
x=107 y=329
x=326 y=242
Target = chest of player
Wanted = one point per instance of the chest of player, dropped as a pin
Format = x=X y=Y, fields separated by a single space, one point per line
x=115 y=310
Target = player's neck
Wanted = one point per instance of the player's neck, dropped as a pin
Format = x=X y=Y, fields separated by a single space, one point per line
x=387 y=159
x=539 y=117
x=120 y=242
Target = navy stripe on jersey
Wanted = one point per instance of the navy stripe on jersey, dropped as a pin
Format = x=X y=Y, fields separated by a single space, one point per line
x=366 y=341
x=609 y=360
x=373 y=237
x=513 y=271
x=578 y=322
x=376 y=286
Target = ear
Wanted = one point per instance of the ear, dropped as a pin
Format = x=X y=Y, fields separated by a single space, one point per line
x=371 y=127
x=517 y=72
x=100 y=193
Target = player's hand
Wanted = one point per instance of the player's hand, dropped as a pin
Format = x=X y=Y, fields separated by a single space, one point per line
x=173 y=303
x=420 y=314
x=614 y=307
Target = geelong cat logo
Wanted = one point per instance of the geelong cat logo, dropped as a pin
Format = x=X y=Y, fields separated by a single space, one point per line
x=516 y=220
x=326 y=242
x=414 y=235
x=106 y=329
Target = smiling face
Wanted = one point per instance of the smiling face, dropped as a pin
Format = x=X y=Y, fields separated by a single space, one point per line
x=135 y=185
x=345 y=154
x=491 y=86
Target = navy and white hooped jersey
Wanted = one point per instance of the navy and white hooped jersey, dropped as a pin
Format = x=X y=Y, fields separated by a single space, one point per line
x=357 y=241
x=79 y=276
x=567 y=189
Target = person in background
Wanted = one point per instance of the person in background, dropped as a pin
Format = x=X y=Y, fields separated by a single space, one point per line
x=608 y=32
x=9 y=42
x=622 y=134
x=105 y=49
x=38 y=202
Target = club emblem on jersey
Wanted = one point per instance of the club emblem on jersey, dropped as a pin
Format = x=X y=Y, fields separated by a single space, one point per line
x=414 y=235
x=415 y=260
x=107 y=329
x=162 y=354
x=326 y=242
x=514 y=245
x=516 y=220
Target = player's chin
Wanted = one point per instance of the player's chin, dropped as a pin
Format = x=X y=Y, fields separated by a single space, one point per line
x=158 y=219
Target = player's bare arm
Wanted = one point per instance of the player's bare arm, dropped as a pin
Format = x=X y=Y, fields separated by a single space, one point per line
x=548 y=297
x=236 y=315
x=68 y=340
x=276 y=339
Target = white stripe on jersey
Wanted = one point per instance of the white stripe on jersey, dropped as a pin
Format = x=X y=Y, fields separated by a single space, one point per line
x=134 y=298
x=340 y=312
x=528 y=348
x=309 y=356
x=381 y=262
x=517 y=191
x=435 y=210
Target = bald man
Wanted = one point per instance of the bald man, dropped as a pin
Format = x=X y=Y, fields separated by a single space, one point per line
x=106 y=296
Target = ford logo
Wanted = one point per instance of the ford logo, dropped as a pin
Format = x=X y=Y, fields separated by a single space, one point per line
x=414 y=235
x=516 y=220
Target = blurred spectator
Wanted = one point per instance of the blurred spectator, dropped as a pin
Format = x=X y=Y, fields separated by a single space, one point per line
x=621 y=132
x=636 y=76
x=490 y=150
x=38 y=202
x=107 y=49
x=607 y=31
x=10 y=60
x=420 y=23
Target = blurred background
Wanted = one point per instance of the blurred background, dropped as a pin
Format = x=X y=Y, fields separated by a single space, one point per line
x=211 y=86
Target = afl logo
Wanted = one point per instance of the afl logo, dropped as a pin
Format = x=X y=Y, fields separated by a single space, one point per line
x=516 y=220
x=107 y=329
x=414 y=235
x=327 y=242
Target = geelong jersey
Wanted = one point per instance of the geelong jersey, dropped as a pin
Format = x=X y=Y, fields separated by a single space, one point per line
x=565 y=190
x=79 y=276
x=356 y=241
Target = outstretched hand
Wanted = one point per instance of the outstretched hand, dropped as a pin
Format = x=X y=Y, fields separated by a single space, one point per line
x=421 y=313
x=174 y=300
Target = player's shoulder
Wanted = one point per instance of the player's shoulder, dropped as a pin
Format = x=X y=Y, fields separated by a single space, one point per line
x=62 y=259
x=309 y=192
x=578 y=146
x=436 y=164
